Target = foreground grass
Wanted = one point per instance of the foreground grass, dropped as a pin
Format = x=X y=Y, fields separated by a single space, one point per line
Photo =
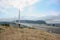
x=11 y=33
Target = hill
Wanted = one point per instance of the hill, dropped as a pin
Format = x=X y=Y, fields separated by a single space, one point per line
x=31 y=21
x=11 y=33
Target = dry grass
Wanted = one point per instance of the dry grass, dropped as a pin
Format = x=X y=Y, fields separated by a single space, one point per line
x=11 y=33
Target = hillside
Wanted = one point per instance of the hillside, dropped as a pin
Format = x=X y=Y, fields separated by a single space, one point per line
x=10 y=33
x=32 y=21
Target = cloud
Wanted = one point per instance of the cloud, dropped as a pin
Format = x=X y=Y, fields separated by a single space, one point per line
x=52 y=17
x=17 y=3
x=7 y=4
x=31 y=16
x=53 y=13
x=48 y=15
x=4 y=11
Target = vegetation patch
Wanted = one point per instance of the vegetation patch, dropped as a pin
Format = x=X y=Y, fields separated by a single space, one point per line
x=31 y=28
x=26 y=34
x=1 y=30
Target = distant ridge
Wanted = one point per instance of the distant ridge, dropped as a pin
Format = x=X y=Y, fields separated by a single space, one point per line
x=31 y=21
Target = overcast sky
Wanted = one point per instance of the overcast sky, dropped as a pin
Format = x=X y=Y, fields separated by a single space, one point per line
x=30 y=9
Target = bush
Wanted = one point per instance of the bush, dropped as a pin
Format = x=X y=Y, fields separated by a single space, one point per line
x=5 y=25
x=1 y=30
x=31 y=27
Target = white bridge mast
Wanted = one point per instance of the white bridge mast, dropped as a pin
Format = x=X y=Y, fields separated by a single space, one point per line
x=19 y=18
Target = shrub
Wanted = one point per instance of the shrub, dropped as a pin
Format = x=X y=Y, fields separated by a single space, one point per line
x=1 y=30
x=5 y=24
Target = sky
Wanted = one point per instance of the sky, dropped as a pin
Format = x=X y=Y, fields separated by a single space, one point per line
x=30 y=9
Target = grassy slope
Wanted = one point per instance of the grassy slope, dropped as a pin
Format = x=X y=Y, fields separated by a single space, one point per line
x=10 y=33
